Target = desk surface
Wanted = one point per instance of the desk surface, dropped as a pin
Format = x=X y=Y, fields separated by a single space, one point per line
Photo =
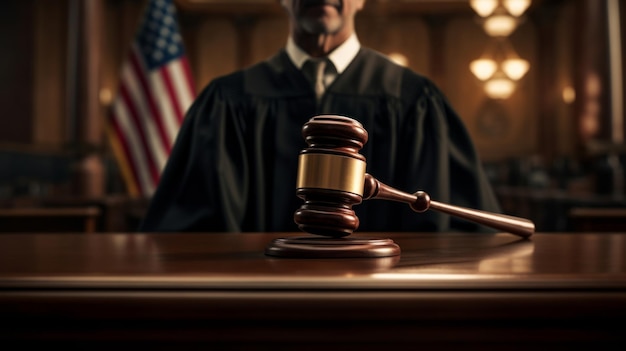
x=557 y=287
x=427 y=260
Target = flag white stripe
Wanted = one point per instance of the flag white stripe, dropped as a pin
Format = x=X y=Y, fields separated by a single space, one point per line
x=181 y=84
x=166 y=108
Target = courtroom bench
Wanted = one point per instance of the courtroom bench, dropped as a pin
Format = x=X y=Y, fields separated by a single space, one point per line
x=598 y=219
x=49 y=219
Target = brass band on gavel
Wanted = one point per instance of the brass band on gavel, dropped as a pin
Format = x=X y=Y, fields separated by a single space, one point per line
x=330 y=171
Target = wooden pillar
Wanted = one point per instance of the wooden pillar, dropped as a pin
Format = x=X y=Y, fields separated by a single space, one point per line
x=548 y=94
x=616 y=72
x=86 y=112
x=437 y=33
x=622 y=17
x=593 y=103
x=592 y=85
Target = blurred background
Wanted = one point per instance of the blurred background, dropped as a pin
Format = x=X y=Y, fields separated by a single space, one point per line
x=538 y=83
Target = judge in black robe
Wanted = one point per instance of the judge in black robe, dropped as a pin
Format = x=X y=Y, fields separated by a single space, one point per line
x=234 y=164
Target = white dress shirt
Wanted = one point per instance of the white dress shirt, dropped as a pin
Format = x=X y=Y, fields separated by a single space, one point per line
x=340 y=57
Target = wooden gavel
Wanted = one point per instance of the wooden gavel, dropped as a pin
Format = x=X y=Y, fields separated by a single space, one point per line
x=332 y=178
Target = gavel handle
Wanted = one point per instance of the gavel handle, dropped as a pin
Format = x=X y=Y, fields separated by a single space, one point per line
x=420 y=202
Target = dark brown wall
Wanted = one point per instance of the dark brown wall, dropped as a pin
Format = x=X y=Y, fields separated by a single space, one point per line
x=16 y=71
x=39 y=105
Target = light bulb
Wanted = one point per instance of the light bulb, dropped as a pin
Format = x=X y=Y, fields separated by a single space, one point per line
x=484 y=8
x=516 y=7
x=483 y=69
x=500 y=25
x=515 y=68
x=499 y=88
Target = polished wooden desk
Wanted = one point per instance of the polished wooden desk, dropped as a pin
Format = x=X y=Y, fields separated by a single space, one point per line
x=445 y=291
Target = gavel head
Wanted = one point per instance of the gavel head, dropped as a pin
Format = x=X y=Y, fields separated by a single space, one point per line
x=331 y=175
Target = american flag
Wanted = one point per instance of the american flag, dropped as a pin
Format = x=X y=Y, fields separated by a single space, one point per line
x=156 y=89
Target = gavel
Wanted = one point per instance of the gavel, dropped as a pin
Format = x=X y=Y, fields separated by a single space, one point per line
x=332 y=178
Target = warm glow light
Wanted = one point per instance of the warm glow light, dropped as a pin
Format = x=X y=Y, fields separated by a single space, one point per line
x=483 y=69
x=515 y=68
x=516 y=7
x=399 y=58
x=484 y=8
x=499 y=88
x=106 y=97
x=500 y=25
x=569 y=95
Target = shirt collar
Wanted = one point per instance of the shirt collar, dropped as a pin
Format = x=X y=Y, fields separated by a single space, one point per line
x=340 y=57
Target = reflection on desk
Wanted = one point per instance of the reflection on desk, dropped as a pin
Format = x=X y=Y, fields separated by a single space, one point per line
x=445 y=291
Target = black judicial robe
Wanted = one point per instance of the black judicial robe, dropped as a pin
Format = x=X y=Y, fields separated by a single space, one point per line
x=234 y=164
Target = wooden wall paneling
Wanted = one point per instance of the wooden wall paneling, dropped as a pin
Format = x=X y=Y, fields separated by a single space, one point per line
x=410 y=36
x=369 y=32
x=437 y=51
x=16 y=71
x=372 y=25
x=50 y=67
x=245 y=28
x=269 y=34
x=407 y=35
x=216 y=49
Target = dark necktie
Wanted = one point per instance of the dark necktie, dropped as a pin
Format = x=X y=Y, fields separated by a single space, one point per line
x=314 y=70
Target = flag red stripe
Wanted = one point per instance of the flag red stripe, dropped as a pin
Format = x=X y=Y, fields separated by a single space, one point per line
x=130 y=160
x=158 y=119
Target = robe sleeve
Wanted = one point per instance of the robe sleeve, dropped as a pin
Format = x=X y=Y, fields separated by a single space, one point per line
x=204 y=184
x=443 y=162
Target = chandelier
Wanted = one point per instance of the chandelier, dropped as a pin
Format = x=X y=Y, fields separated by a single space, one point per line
x=499 y=68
